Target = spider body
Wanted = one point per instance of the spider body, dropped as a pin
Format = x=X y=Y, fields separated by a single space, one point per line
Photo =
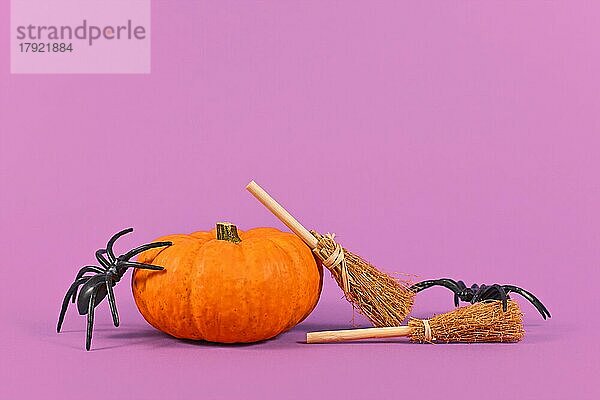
x=94 y=283
x=477 y=293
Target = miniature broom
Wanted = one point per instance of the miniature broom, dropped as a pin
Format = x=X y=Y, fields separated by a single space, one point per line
x=480 y=322
x=385 y=301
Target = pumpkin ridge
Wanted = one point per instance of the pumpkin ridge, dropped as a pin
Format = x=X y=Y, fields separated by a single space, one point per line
x=300 y=246
x=243 y=296
x=210 y=326
x=169 y=299
x=259 y=232
x=285 y=252
x=192 y=256
x=200 y=324
x=300 y=269
x=245 y=300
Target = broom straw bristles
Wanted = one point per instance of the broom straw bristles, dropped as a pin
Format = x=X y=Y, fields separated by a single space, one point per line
x=479 y=322
x=384 y=300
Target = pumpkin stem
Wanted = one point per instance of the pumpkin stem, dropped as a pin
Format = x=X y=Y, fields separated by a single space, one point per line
x=227 y=231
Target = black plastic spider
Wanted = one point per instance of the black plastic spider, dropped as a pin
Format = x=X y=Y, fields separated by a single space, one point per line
x=481 y=293
x=95 y=287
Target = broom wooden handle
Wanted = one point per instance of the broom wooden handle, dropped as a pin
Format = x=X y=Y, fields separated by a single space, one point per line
x=357 y=334
x=283 y=215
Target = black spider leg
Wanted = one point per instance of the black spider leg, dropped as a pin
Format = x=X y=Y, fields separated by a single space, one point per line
x=89 y=268
x=531 y=297
x=492 y=292
x=103 y=261
x=99 y=281
x=109 y=246
x=111 y=301
x=140 y=249
x=134 y=264
x=90 y=321
x=445 y=282
x=461 y=288
x=65 y=304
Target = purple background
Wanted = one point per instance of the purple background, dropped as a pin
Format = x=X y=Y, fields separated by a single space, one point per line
x=439 y=140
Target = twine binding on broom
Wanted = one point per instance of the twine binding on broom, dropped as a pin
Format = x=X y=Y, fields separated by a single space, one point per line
x=335 y=261
x=427 y=331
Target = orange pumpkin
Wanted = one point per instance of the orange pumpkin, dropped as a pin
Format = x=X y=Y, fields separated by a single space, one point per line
x=228 y=286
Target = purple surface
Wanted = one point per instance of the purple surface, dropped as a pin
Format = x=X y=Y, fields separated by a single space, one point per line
x=439 y=140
